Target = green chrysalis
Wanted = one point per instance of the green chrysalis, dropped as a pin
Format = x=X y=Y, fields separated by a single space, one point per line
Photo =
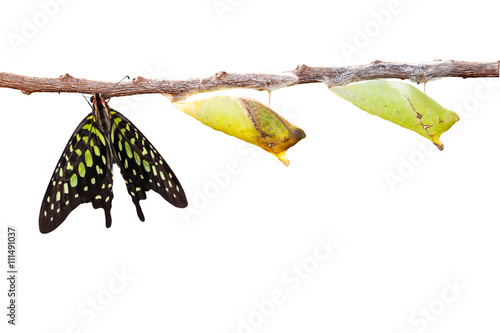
x=402 y=104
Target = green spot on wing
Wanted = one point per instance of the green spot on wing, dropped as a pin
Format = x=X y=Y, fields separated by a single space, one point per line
x=137 y=158
x=128 y=150
x=146 y=165
x=81 y=169
x=88 y=158
x=100 y=136
x=73 y=180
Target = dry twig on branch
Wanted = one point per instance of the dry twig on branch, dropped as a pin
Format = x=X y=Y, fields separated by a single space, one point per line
x=181 y=89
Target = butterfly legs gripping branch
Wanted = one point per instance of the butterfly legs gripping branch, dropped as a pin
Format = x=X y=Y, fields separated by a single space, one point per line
x=84 y=172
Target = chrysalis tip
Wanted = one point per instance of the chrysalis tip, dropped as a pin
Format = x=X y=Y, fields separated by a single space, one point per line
x=281 y=156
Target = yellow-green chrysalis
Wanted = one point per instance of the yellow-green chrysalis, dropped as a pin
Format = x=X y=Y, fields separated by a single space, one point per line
x=248 y=120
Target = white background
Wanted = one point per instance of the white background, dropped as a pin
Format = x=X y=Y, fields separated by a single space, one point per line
x=244 y=238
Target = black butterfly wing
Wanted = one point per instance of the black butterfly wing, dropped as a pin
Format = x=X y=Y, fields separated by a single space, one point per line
x=142 y=167
x=83 y=174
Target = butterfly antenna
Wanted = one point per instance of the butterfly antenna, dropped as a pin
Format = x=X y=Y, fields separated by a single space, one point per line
x=81 y=93
x=90 y=92
x=86 y=100
x=86 y=85
x=114 y=87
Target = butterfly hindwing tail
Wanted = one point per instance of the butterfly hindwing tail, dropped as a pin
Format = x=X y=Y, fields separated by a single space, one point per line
x=104 y=197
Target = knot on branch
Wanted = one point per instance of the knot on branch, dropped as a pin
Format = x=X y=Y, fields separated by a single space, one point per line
x=66 y=77
x=138 y=80
x=220 y=75
x=301 y=68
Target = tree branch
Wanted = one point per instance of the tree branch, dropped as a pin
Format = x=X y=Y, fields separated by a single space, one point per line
x=180 y=89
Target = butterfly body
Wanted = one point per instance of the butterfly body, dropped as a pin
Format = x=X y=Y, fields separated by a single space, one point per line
x=84 y=172
x=101 y=112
